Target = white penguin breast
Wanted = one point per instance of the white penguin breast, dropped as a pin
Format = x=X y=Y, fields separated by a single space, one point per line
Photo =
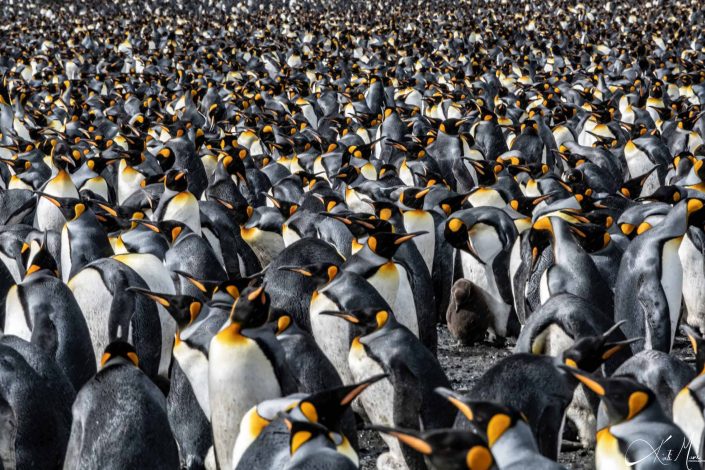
x=688 y=415
x=693 y=282
x=195 y=366
x=95 y=300
x=378 y=398
x=331 y=334
x=416 y=221
x=65 y=254
x=290 y=236
x=183 y=207
x=386 y=282
x=266 y=245
x=239 y=377
x=404 y=307
x=15 y=322
x=486 y=242
x=672 y=280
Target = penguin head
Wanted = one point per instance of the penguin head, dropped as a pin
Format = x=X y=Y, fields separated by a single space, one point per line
x=171 y=229
x=166 y=158
x=318 y=273
x=263 y=218
x=456 y=234
x=286 y=208
x=451 y=126
x=71 y=208
x=413 y=197
x=526 y=205
x=328 y=407
x=183 y=308
x=445 y=448
x=695 y=209
x=589 y=352
x=366 y=320
x=698 y=344
x=540 y=237
x=42 y=262
x=306 y=436
x=623 y=397
x=119 y=352
x=491 y=419
x=592 y=237
x=386 y=244
x=251 y=309
x=176 y=180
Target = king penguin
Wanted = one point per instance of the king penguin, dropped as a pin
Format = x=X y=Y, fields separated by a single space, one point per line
x=119 y=418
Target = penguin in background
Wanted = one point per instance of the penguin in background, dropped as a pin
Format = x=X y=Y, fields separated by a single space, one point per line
x=263 y=233
x=292 y=283
x=177 y=203
x=187 y=404
x=485 y=237
x=82 y=238
x=406 y=398
x=340 y=291
x=36 y=421
x=648 y=289
x=243 y=352
x=638 y=434
x=43 y=310
x=507 y=433
x=120 y=418
x=47 y=216
x=573 y=271
x=445 y=449
x=309 y=365
x=692 y=257
x=112 y=312
x=688 y=409
x=390 y=276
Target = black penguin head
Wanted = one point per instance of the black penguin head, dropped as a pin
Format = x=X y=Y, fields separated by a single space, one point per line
x=386 y=244
x=263 y=218
x=327 y=407
x=526 y=205
x=119 y=352
x=449 y=449
x=456 y=233
x=451 y=126
x=365 y=320
x=176 y=180
x=166 y=158
x=183 y=308
x=623 y=397
x=491 y=419
x=251 y=309
x=540 y=236
x=589 y=352
x=71 y=208
x=695 y=209
x=286 y=208
x=592 y=237
x=319 y=273
x=413 y=197
x=698 y=344
x=303 y=432
x=42 y=262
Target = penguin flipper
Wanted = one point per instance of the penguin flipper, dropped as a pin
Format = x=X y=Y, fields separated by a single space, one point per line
x=655 y=313
x=8 y=432
x=548 y=431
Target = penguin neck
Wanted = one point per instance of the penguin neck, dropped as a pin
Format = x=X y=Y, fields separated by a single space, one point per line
x=514 y=445
x=232 y=333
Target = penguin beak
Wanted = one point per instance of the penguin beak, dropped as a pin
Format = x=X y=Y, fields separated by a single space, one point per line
x=457 y=400
x=357 y=389
x=613 y=348
x=403 y=239
x=158 y=298
x=411 y=440
x=587 y=379
x=344 y=315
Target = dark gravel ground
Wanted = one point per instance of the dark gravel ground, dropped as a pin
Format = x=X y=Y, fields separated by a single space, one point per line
x=464 y=365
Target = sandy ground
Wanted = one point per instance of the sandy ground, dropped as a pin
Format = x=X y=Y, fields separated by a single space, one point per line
x=464 y=365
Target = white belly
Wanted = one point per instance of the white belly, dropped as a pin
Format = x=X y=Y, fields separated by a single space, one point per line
x=290 y=236
x=544 y=291
x=473 y=270
x=416 y=221
x=266 y=245
x=672 y=281
x=95 y=301
x=689 y=417
x=378 y=398
x=65 y=254
x=195 y=366
x=11 y=265
x=404 y=307
x=386 y=282
x=331 y=334
x=239 y=377
x=158 y=279
x=15 y=323
x=693 y=283
x=184 y=208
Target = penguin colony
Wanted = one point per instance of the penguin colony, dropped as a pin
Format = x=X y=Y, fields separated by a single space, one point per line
x=232 y=232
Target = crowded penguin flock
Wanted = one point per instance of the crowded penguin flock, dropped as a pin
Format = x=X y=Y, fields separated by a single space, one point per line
x=233 y=233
